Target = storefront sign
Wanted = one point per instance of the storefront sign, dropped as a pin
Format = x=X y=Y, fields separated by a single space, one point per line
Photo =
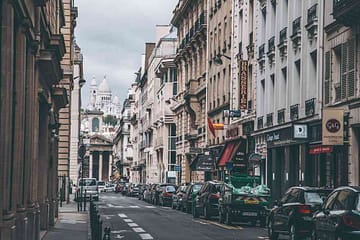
x=282 y=137
x=300 y=131
x=275 y=136
x=320 y=149
x=194 y=150
x=232 y=132
x=204 y=163
x=171 y=174
x=332 y=127
x=243 y=84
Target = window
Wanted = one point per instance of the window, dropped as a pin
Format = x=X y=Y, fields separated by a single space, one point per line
x=313 y=198
x=344 y=201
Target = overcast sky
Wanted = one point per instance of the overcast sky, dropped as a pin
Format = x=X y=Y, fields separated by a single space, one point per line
x=112 y=34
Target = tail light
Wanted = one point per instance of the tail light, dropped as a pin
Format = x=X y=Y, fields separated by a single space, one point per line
x=213 y=195
x=351 y=221
x=167 y=194
x=304 y=209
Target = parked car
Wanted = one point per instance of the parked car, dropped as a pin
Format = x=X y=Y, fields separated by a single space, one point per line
x=189 y=196
x=148 y=193
x=165 y=194
x=177 y=197
x=119 y=187
x=293 y=214
x=339 y=217
x=207 y=200
x=101 y=186
x=134 y=190
x=110 y=187
x=88 y=186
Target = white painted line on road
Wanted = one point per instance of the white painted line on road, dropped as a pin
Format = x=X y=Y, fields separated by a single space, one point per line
x=119 y=236
x=134 y=206
x=150 y=206
x=102 y=206
x=128 y=220
x=133 y=225
x=138 y=230
x=118 y=206
x=119 y=231
x=109 y=205
x=146 y=236
x=122 y=215
x=108 y=216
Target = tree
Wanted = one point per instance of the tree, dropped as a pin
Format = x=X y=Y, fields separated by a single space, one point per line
x=110 y=119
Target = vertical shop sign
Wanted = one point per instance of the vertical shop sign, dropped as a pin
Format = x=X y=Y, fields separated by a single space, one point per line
x=243 y=84
x=332 y=127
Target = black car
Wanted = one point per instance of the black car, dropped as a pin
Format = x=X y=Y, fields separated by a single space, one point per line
x=339 y=217
x=187 y=199
x=207 y=200
x=293 y=214
x=166 y=195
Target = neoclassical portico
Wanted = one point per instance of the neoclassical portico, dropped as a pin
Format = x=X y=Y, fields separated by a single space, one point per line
x=100 y=158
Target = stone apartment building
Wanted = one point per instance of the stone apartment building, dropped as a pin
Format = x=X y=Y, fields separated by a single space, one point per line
x=190 y=19
x=32 y=48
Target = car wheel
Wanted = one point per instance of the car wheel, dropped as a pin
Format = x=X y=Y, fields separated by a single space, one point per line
x=228 y=217
x=293 y=233
x=272 y=234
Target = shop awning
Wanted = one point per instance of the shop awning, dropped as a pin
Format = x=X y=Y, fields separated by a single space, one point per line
x=228 y=153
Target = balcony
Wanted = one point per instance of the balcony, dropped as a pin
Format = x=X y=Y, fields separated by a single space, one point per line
x=296 y=30
x=347 y=12
x=260 y=122
x=310 y=107
x=281 y=116
x=271 y=49
x=312 y=22
x=294 y=112
x=283 y=42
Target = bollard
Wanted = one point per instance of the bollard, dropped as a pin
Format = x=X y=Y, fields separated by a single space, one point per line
x=106 y=233
x=99 y=228
x=85 y=201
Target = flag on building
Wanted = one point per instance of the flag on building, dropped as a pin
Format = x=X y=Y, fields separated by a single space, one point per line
x=211 y=127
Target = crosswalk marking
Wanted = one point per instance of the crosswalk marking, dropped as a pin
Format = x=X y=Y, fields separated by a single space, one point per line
x=122 y=215
x=146 y=236
x=128 y=220
x=133 y=225
x=138 y=230
x=134 y=206
x=150 y=206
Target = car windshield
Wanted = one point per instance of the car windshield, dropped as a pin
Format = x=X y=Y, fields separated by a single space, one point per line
x=313 y=198
x=87 y=182
x=101 y=183
x=170 y=189
x=197 y=187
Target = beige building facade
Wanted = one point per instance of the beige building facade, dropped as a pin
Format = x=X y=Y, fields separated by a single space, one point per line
x=190 y=18
x=32 y=47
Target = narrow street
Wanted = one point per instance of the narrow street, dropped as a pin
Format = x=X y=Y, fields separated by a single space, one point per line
x=130 y=218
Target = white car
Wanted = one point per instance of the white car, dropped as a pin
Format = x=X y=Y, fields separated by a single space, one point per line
x=110 y=187
x=101 y=186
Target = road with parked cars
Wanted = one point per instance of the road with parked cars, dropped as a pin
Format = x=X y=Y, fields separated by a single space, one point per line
x=131 y=218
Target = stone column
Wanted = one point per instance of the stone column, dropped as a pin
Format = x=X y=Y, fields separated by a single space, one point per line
x=90 y=165
x=100 y=165
x=110 y=165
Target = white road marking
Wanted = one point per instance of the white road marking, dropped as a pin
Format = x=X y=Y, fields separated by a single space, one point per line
x=128 y=220
x=119 y=231
x=108 y=216
x=110 y=205
x=102 y=206
x=138 y=230
x=133 y=225
x=118 y=206
x=70 y=221
x=122 y=215
x=146 y=236
x=134 y=206
x=119 y=236
x=150 y=206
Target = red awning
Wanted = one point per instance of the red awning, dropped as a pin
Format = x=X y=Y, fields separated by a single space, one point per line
x=320 y=149
x=229 y=152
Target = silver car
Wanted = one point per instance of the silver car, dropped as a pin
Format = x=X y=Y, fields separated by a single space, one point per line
x=90 y=187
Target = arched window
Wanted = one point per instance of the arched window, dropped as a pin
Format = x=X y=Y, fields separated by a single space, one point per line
x=95 y=125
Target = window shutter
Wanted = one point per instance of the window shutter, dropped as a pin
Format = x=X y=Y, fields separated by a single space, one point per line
x=343 y=66
x=351 y=81
x=327 y=78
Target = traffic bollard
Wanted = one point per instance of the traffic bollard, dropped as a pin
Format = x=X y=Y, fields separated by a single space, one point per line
x=106 y=233
x=85 y=201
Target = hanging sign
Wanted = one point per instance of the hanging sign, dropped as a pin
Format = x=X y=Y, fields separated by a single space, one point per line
x=333 y=127
x=243 y=84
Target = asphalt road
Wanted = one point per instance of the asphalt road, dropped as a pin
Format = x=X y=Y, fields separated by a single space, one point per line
x=132 y=219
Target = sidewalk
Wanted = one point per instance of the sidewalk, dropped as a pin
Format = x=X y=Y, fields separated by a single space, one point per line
x=71 y=224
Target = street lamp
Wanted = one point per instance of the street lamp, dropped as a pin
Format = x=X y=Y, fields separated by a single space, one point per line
x=217 y=59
